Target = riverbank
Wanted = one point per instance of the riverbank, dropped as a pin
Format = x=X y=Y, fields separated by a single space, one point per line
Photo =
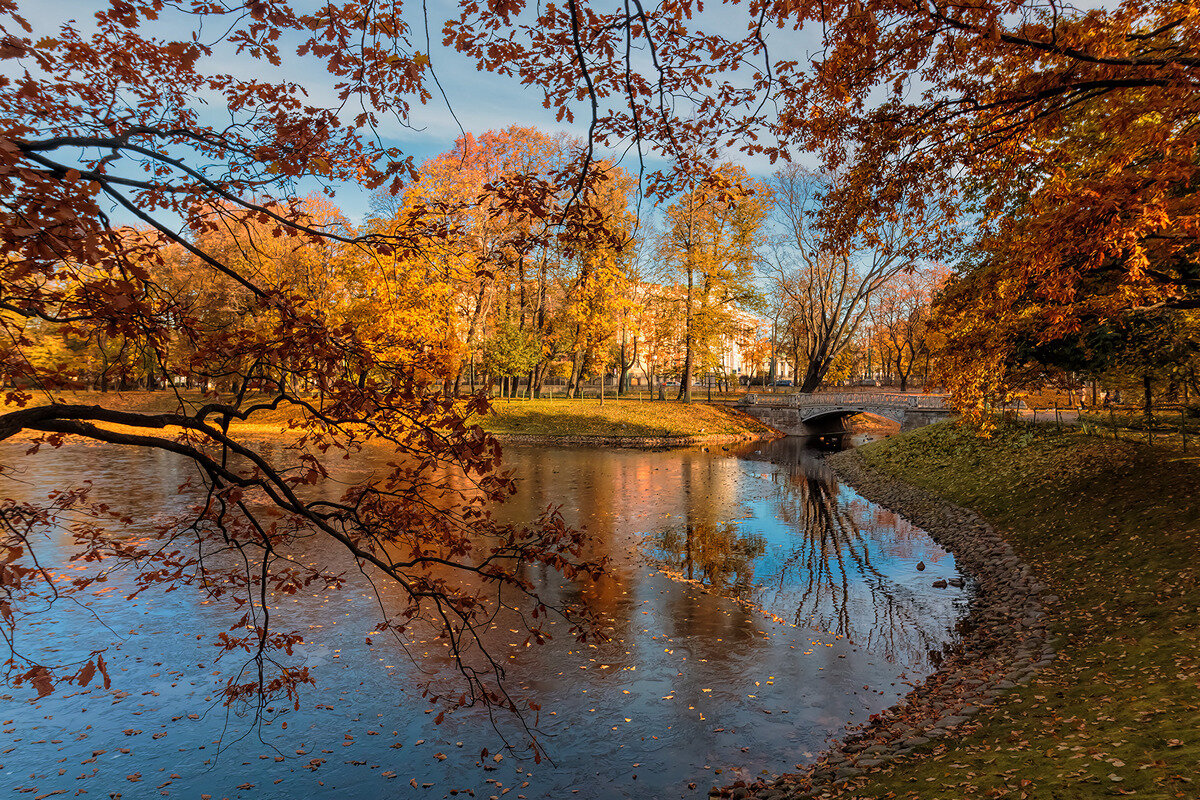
x=628 y=423
x=1111 y=529
x=267 y=422
x=624 y=423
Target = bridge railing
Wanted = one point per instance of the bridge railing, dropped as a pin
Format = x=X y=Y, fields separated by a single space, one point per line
x=932 y=402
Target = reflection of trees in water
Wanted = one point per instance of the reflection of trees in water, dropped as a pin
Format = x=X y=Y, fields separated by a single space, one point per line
x=833 y=557
x=716 y=554
x=827 y=573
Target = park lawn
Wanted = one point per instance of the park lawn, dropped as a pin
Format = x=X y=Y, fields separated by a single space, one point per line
x=545 y=418
x=262 y=423
x=620 y=418
x=1114 y=529
x=1169 y=427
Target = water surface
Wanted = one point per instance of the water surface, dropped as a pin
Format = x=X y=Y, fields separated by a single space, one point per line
x=755 y=608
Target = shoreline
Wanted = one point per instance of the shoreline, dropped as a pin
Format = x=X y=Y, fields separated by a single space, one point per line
x=647 y=424
x=1005 y=641
x=632 y=442
x=270 y=430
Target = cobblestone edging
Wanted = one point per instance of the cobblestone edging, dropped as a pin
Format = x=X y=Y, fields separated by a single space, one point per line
x=1004 y=642
x=633 y=441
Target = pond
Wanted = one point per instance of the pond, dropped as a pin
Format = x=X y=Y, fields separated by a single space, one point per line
x=755 y=608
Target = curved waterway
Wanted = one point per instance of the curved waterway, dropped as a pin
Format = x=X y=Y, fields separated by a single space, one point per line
x=755 y=608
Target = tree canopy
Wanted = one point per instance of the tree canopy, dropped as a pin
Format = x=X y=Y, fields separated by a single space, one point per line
x=232 y=284
x=156 y=225
x=1063 y=139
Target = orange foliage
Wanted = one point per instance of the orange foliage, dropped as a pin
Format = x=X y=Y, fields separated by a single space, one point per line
x=259 y=300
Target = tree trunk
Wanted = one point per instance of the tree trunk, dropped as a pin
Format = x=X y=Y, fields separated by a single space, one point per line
x=814 y=375
x=1147 y=400
x=685 y=388
x=521 y=289
x=626 y=367
x=540 y=373
x=573 y=381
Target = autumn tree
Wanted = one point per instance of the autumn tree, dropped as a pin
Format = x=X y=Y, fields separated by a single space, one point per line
x=632 y=312
x=660 y=332
x=754 y=344
x=503 y=264
x=711 y=245
x=596 y=288
x=1080 y=118
x=498 y=262
x=828 y=283
x=105 y=121
x=900 y=317
x=508 y=353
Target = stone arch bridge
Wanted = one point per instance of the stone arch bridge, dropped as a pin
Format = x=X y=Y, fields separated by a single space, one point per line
x=825 y=413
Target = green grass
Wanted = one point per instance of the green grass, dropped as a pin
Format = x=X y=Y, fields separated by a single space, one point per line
x=1171 y=426
x=551 y=418
x=1114 y=529
x=262 y=423
x=632 y=418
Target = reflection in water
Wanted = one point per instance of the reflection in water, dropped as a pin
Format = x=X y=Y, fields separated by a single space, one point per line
x=816 y=554
x=687 y=682
x=717 y=555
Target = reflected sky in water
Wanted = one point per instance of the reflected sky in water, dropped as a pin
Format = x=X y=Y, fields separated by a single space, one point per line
x=800 y=595
x=791 y=540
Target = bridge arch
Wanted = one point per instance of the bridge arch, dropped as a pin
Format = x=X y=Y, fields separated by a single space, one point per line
x=815 y=414
x=823 y=413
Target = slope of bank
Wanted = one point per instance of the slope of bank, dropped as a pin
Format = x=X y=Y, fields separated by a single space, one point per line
x=630 y=422
x=1113 y=528
x=620 y=422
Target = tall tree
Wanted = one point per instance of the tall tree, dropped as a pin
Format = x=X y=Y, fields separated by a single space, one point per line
x=711 y=243
x=900 y=318
x=503 y=263
x=94 y=121
x=828 y=283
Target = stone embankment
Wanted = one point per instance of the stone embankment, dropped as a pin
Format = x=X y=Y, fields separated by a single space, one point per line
x=1004 y=642
x=640 y=442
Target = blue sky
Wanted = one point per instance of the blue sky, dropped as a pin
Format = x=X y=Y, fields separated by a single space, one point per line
x=481 y=101
x=478 y=100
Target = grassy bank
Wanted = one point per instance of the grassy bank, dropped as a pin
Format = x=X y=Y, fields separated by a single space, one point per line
x=633 y=419
x=1169 y=427
x=1114 y=529
x=262 y=423
x=549 y=419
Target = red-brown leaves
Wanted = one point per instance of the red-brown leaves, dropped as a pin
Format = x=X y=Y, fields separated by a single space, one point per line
x=89 y=670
